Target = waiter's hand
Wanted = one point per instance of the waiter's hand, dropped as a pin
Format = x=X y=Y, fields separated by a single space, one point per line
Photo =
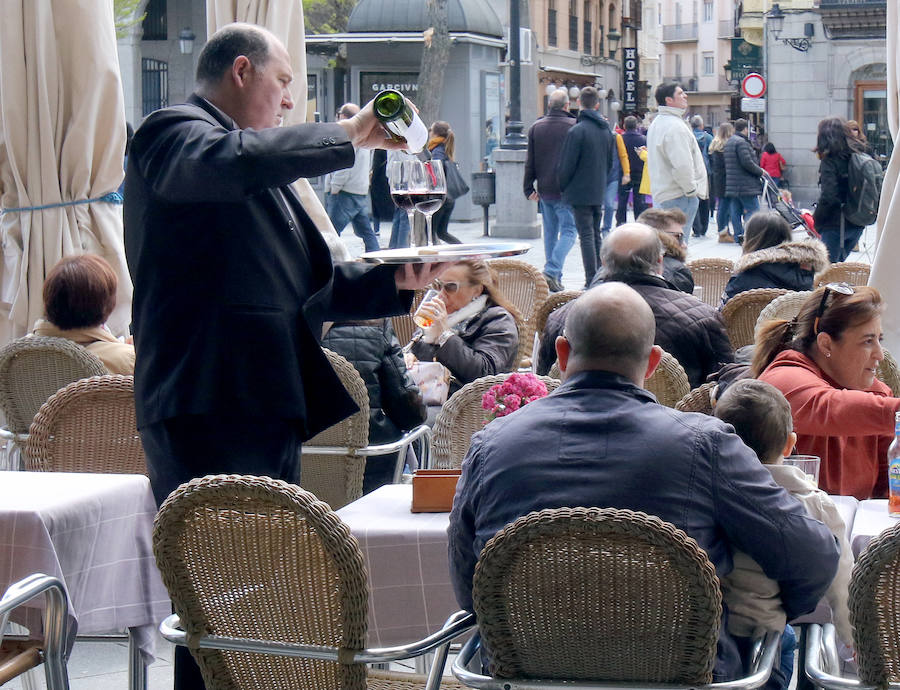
x=415 y=276
x=366 y=132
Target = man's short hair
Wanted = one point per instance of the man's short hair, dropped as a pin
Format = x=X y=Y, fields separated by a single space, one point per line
x=558 y=99
x=740 y=125
x=664 y=91
x=662 y=218
x=611 y=327
x=630 y=123
x=589 y=98
x=697 y=122
x=631 y=253
x=228 y=43
x=760 y=415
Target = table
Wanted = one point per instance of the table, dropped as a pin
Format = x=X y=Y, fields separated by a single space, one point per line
x=410 y=595
x=872 y=518
x=93 y=531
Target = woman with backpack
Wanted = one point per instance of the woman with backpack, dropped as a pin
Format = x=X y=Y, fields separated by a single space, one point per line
x=835 y=145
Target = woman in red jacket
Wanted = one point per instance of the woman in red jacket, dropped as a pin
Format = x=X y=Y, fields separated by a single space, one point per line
x=772 y=162
x=824 y=361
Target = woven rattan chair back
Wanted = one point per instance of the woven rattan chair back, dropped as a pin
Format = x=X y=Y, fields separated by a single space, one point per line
x=669 y=383
x=889 y=373
x=712 y=275
x=33 y=368
x=553 y=302
x=852 y=272
x=554 y=372
x=526 y=289
x=597 y=594
x=875 y=609
x=404 y=326
x=785 y=307
x=338 y=479
x=741 y=312
x=698 y=400
x=260 y=558
x=88 y=426
x=461 y=416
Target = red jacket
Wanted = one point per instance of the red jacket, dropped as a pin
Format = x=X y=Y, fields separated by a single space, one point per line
x=849 y=430
x=772 y=163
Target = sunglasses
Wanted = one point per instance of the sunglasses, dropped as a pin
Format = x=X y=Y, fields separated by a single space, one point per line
x=837 y=288
x=449 y=287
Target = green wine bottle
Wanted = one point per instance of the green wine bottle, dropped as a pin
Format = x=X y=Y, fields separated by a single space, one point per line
x=401 y=122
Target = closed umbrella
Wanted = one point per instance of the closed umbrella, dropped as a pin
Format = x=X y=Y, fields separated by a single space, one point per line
x=62 y=141
x=284 y=18
x=884 y=269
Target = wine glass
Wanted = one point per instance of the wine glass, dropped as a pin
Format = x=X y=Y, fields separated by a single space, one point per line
x=403 y=175
x=429 y=192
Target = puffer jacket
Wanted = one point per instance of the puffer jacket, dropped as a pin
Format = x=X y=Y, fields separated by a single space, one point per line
x=717 y=174
x=790 y=265
x=395 y=403
x=742 y=173
x=586 y=159
x=686 y=328
x=674 y=268
x=487 y=344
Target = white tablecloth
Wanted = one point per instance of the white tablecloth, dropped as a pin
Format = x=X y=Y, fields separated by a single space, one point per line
x=410 y=595
x=93 y=531
x=872 y=518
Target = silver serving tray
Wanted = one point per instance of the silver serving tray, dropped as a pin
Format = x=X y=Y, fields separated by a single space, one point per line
x=446 y=252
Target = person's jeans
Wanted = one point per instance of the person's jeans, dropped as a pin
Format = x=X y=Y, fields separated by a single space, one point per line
x=587 y=222
x=559 y=234
x=399 y=230
x=723 y=213
x=344 y=208
x=688 y=206
x=742 y=207
x=610 y=201
x=638 y=200
x=837 y=250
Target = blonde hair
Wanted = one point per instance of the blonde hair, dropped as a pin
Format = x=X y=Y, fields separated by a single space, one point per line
x=480 y=273
x=723 y=134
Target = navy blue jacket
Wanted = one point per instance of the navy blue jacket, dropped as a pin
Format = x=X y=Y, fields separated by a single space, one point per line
x=599 y=440
x=634 y=140
x=545 y=142
x=586 y=159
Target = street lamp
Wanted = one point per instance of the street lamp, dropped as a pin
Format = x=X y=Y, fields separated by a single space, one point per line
x=186 y=41
x=729 y=73
x=613 y=38
x=775 y=19
x=775 y=23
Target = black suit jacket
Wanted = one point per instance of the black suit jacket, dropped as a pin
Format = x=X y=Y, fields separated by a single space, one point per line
x=232 y=280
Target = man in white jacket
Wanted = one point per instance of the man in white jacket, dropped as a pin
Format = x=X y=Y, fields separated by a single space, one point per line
x=677 y=172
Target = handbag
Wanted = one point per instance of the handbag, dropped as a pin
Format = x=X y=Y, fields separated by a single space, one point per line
x=456 y=184
x=433 y=379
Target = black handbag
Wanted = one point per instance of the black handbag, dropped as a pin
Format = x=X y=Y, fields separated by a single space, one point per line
x=456 y=184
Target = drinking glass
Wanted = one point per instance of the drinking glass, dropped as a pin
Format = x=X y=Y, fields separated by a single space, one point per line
x=429 y=192
x=419 y=318
x=402 y=176
x=807 y=463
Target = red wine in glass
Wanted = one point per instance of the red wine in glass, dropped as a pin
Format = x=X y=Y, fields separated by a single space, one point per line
x=403 y=200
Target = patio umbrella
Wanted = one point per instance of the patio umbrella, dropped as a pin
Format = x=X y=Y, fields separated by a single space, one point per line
x=284 y=18
x=62 y=141
x=884 y=269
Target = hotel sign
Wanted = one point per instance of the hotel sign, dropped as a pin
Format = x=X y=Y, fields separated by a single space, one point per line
x=630 y=74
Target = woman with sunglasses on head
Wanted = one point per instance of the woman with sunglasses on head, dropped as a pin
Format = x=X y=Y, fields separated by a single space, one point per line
x=771 y=258
x=473 y=331
x=824 y=362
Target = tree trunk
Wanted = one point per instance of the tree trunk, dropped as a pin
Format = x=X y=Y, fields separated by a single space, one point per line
x=435 y=55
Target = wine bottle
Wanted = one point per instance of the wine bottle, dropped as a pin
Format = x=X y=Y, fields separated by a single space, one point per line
x=402 y=123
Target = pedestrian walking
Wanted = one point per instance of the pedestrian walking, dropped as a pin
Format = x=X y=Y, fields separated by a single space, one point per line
x=743 y=178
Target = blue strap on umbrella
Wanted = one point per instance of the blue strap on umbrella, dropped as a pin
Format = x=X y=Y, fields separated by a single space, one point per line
x=111 y=198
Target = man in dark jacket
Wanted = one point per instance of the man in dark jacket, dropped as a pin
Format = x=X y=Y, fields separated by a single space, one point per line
x=584 y=163
x=742 y=178
x=704 y=139
x=633 y=140
x=545 y=142
x=688 y=329
x=600 y=439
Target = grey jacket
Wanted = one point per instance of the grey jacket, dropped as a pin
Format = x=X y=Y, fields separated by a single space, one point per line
x=742 y=172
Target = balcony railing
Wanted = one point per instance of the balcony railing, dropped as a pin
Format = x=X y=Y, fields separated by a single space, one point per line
x=688 y=83
x=843 y=3
x=726 y=28
x=680 y=32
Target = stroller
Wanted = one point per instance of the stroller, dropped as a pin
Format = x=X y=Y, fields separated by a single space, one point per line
x=783 y=205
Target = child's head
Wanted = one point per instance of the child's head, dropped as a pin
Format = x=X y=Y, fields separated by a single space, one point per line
x=761 y=416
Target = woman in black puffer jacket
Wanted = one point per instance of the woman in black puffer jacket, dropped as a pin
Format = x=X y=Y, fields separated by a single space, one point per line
x=395 y=403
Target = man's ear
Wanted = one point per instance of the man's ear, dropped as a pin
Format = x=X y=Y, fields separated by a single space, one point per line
x=240 y=70
x=653 y=361
x=563 y=351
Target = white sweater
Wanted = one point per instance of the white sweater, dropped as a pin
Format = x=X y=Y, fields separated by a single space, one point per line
x=676 y=163
x=353 y=180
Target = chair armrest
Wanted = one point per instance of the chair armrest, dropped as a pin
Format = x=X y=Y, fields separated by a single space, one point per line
x=822 y=666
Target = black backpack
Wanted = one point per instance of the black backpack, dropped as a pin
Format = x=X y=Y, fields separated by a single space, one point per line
x=864 y=177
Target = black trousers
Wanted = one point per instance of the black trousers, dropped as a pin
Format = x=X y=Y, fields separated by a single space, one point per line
x=440 y=221
x=638 y=199
x=182 y=448
x=587 y=222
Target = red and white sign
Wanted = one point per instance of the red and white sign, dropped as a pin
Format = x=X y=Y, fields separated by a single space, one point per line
x=753 y=85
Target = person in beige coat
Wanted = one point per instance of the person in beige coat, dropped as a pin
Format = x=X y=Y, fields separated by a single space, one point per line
x=79 y=295
x=761 y=416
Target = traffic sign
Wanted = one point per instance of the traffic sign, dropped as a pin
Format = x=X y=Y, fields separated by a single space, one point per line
x=753 y=105
x=753 y=85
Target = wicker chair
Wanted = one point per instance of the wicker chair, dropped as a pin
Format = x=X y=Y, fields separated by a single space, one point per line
x=712 y=275
x=741 y=312
x=404 y=326
x=875 y=616
x=19 y=656
x=852 y=272
x=669 y=383
x=594 y=596
x=31 y=370
x=88 y=426
x=698 y=400
x=526 y=289
x=554 y=372
x=889 y=373
x=785 y=307
x=263 y=562
x=553 y=302
x=461 y=416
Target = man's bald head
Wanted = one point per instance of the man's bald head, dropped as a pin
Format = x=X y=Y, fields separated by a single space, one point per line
x=232 y=40
x=558 y=99
x=610 y=328
x=631 y=248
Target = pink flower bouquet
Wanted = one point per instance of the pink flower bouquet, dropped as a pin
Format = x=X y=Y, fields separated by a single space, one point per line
x=507 y=397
